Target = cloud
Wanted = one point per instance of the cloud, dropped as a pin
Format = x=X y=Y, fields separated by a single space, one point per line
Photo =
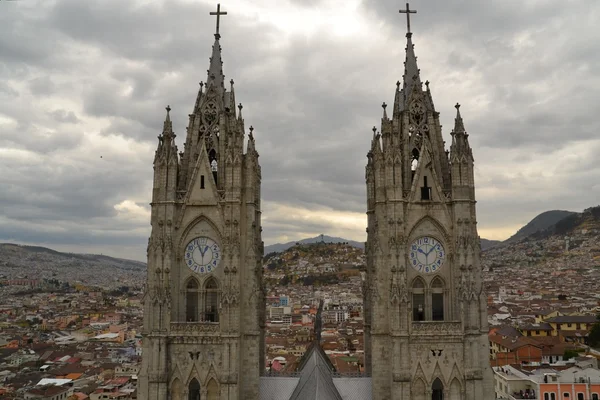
x=83 y=90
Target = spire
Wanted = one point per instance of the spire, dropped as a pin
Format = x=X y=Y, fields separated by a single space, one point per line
x=460 y=138
x=168 y=125
x=459 y=126
x=411 y=70
x=384 y=106
x=215 y=71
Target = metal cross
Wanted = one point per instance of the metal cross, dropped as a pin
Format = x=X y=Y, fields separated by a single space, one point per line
x=218 y=13
x=408 y=11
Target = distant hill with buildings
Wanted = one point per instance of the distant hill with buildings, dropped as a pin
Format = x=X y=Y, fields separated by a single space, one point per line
x=541 y=222
x=279 y=247
x=34 y=262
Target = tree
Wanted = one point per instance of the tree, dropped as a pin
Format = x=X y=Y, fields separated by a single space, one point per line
x=594 y=336
x=570 y=354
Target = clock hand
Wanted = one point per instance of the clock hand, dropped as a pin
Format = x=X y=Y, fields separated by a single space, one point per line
x=420 y=250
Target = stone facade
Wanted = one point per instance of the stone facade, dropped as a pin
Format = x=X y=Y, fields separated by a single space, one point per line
x=425 y=309
x=204 y=307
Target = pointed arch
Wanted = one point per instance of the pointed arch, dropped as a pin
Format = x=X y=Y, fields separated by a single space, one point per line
x=212 y=390
x=211 y=300
x=192 y=290
x=176 y=390
x=436 y=224
x=186 y=235
x=438 y=300
x=418 y=299
x=418 y=389
x=437 y=390
x=194 y=390
x=455 y=390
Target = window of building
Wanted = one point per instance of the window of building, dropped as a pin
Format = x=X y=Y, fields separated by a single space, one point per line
x=566 y=395
x=580 y=396
x=418 y=289
x=437 y=390
x=201 y=181
x=211 y=301
x=552 y=396
x=194 y=390
x=546 y=396
x=437 y=300
x=191 y=301
x=425 y=190
x=595 y=396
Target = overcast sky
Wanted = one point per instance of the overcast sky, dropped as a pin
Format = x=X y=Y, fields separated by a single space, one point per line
x=84 y=83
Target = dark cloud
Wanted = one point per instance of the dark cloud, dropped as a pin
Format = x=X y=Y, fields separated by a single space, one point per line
x=83 y=89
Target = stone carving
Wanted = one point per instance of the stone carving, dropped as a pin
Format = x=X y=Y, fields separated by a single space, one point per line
x=434 y=328
x=187 y=328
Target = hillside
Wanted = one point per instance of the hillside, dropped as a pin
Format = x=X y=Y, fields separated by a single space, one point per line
x=572 y=241
x=488 y=244
x=279 y=247
x=313 y=264
x=34 y=262
x=541 y=222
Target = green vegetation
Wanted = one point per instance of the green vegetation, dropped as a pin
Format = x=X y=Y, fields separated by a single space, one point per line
x=594 y=336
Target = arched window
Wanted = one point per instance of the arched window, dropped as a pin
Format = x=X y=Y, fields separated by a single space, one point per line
x=214 y=166
x=191 y=301
x=211 y=301
x=176 y=390
x=437 y=299
x=194 y=390
x=212 y=390
x=437 y=390
x=418 y=298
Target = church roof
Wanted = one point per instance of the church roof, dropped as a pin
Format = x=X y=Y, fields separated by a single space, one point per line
x=316 y=377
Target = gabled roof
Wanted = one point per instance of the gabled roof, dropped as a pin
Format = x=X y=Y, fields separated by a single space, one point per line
x=316 y=381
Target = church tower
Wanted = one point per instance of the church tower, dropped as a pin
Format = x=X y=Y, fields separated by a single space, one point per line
x=425 y=309
x=203 y=335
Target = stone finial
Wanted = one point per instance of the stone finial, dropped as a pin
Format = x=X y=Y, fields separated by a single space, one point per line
x=457 y=106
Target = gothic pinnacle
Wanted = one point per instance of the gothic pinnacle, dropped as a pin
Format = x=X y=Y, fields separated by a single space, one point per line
x=168 y=108
x=384 y=106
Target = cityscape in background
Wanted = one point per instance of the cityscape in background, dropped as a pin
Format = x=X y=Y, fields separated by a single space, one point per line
x=70 y=324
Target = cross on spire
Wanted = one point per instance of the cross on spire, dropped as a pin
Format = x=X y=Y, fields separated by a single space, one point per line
x=218 y=13
x=408 y=11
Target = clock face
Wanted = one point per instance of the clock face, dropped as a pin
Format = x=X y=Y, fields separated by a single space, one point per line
x=202 y=255
x=427 y=255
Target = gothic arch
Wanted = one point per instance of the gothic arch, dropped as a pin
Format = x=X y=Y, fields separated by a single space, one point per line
x=455 y=390
x=417 y=288
x=418 y=389
x=176 y=389
x=185 y=235
x=212 y=390
x=210 y=300
x=442 y=231
x=194 y=390
x=192 y=292
x=437 y=389
x=438 y=298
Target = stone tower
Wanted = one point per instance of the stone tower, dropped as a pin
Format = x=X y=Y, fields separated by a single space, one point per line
x=425 y=309
x=204 y=301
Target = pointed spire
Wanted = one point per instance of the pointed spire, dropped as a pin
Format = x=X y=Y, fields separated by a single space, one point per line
x=199 y=97
x=215 y=71
x=168 y=125
x=459 y=126
x=411 y=70
x=460 y=139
